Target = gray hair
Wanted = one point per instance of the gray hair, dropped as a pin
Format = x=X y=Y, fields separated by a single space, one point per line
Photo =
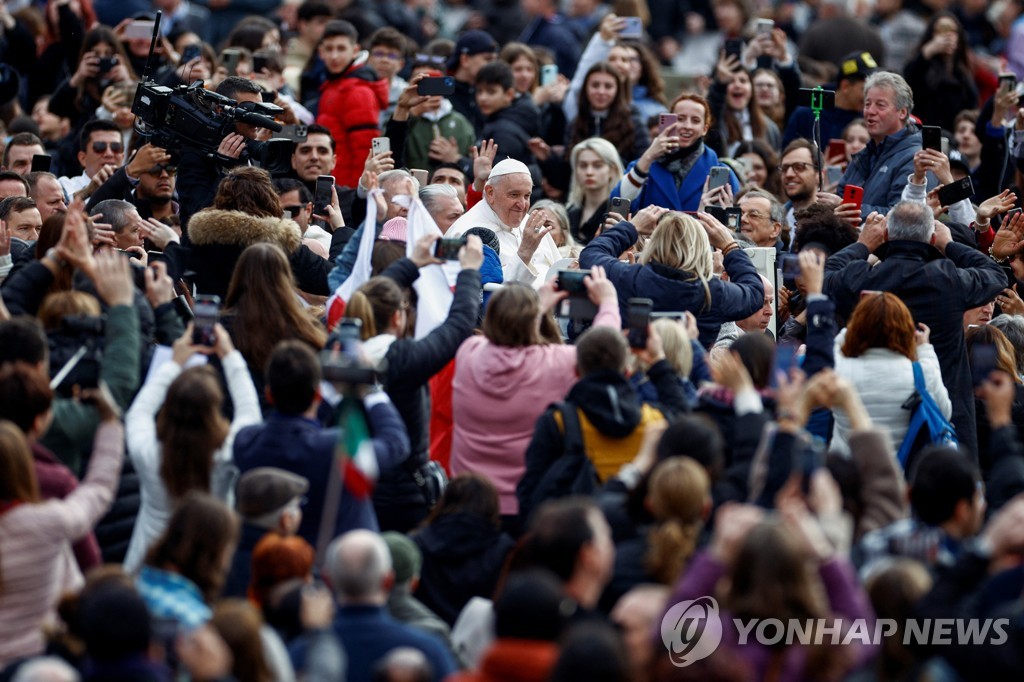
x=46 y=669
x=556 y=209
x=357 y=563
x=388 y=177
x=114 y=212
x=911 y=220
x=775 y=211
x=1012 y=327
x=901 y=90
x=431 y=195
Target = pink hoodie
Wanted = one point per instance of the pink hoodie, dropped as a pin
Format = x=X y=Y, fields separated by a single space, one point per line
x=497 y=396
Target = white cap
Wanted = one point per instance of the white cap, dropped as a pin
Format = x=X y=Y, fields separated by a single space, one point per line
x=508 y=167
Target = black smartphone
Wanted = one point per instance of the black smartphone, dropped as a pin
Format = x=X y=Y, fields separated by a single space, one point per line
x=734 y=48
x=192 y=51
x=620 y=206
x=790 y=266
x=206 y=313
x=322 y=194
x=448 y=249
x=41 y=163
x=931 y=137
x=230 y=58
x=817 y=99
x=438 y=85
x=983 y=358
x=572 y=281
x=785 y=359
x=956 y=191
x=719 y=177
x=107 y=63
x=268 y=96
x=717 y=212
x=259 y=62
x=639 y=316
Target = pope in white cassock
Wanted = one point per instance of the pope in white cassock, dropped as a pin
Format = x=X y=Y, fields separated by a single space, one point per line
x=527 y=249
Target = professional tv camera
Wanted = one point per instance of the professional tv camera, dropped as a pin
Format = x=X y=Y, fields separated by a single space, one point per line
x=192 y=116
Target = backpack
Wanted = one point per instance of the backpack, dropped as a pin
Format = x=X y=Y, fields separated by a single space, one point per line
x=927 y=424
x=572 y=473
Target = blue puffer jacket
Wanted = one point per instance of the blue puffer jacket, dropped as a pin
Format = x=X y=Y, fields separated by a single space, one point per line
x=673 y=290
x=882 y=170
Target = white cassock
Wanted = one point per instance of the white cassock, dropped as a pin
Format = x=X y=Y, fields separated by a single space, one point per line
x=513 y=269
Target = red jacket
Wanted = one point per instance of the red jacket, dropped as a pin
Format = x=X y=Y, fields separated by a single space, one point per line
x=350 y=106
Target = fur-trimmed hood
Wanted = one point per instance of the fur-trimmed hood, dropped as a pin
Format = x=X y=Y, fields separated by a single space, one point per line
x=213 y=226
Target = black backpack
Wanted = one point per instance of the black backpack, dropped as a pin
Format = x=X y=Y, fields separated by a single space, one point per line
x=571 y=474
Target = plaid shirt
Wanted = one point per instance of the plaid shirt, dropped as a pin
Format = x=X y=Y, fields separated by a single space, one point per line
x=172 y=596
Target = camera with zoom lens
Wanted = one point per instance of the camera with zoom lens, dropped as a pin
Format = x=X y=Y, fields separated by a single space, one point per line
x=77 y=349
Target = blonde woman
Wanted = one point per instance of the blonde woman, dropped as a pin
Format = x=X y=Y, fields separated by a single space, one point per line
x=596 y=168
x=675 y=268
x=679 y=352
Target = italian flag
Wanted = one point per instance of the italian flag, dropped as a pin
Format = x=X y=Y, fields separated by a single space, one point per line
x=353 y=453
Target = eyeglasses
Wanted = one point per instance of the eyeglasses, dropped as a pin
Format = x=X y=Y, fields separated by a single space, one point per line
x=160 y=168
x=766 y=86
x=295 y=209
x=393 y=56
x=798 y=167
x=101 y=147
x=754 y=214
x=430 y=58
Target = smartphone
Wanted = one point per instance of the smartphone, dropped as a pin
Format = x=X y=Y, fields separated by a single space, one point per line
x=41 y=163
x=956 y=191
x=666 y=120
x=421 y=176
x=833 y=174
x=572 y=281
x=790 y=266
x=206 y=312
x=192 y=51
x=230 y=58
x=836 y=148
x=853 y=195
x=139 y=30
x=639 y=317
x=548 y=74
x=620 y=206
x=817 y=99
x=296 y=132
x=983 y=362
x=734 y=48
x=718 y=177
x=437 y=85
x=717 y=212
x=1007 y=82
x=733 y=216
x=634 y=28
x=931 y=137
x=322 y=194
x=259 y=62
x=764 y=26
x=448 y=249
x=106 y=64
x=268 y=96
x=379 y=145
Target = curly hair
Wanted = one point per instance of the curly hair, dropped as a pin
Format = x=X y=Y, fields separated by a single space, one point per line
x=249 y=190
x=817 y=224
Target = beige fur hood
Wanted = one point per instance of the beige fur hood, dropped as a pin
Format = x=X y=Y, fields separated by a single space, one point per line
x=217 y=227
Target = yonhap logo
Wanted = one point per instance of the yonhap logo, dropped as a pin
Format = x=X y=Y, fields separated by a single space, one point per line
x=691 y=630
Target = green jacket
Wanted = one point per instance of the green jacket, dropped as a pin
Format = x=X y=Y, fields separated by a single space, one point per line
x=421 y=134
x=71 y=433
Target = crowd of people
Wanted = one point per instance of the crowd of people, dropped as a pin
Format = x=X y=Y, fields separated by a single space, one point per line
x=467 y=339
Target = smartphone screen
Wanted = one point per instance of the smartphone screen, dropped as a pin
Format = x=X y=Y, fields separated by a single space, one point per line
x=639 y=316
x=548 y=74
x=193 y=51
x=572 y=281
x=206 y=312
x=790 y=266
x=41 y=163
x=322 y=195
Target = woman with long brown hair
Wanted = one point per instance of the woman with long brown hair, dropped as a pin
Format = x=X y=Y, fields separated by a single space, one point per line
x=102 y=63
x=36 y=566
x=605 y=111
x=178 y=439
x=876 y=353
x=739 y=114
x=263 y=281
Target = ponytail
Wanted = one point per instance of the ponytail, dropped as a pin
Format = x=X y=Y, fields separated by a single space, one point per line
x=375 y=304
x=360 y=308
x=670 y=546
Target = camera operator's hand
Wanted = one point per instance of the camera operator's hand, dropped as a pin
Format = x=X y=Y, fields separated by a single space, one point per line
x=102 y=175
x=232 y=146
x=471 y=256
x=149 y=155
x=88 y=67
x=113 y=279
x=159 y=285
x=423 y=251
x=161 y=235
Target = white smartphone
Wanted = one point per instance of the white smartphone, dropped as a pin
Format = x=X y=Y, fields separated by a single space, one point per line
x=379 y=145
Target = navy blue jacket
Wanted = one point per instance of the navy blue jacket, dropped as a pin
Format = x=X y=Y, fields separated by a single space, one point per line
x=673 y=290
x=554 y=34
x=306 y=448
x=937 y=290
x=882 y=170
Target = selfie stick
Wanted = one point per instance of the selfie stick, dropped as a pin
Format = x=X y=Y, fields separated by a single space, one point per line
x=817 y=105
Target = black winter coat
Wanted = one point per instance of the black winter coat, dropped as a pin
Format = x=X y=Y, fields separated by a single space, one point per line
x=937 y=290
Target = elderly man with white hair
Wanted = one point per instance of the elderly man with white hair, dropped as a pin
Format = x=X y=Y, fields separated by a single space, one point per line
x=527 y=249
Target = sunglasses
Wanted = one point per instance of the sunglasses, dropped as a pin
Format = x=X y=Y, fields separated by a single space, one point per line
x=160 y=168
x=294 y=210
x=101 y=147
